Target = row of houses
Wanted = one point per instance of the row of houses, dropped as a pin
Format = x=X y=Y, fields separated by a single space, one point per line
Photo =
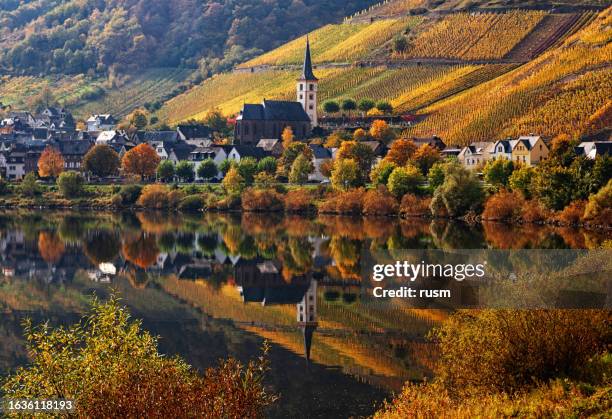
x=529 y=150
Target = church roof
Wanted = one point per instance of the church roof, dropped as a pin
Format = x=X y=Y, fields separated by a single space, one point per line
x=307 y=73
x=275 y=110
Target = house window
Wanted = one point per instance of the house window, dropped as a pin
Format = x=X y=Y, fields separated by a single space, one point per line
x=301 y=96
x=310 y=107
x=301 y=87
x=311 y=86
x=311 y=96
x=499 y=149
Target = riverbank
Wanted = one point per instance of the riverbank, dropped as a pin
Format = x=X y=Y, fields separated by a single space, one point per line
x=503 y=207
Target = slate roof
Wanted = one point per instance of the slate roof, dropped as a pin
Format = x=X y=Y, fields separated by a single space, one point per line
x=74 y=147
x=249 y=151
x=274 y=110
x=165 y=136
x=194 y=131
x=320 y=152
x=182 y=150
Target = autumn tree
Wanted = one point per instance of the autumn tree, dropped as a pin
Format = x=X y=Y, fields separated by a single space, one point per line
x=300 y=169
x=381 y=131
x=381 y=172
x=50 y=163
x=401 y=151
x=138 y=119
x=497 y=172
x=142 y=161
x=345 y=174
x=404 y=180
x=287 y=137
x=336 y=138
x=425 y=157
x=360 y=135
x=290 y=154
x=50 y=246
x=361 y=154
x=101 y=160
x=233 y=182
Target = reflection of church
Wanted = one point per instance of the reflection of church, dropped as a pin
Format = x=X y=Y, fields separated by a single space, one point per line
x=260 y=281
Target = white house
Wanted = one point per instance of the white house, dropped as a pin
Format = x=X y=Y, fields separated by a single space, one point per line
x=320 y=155
x=592 y=149
x=104 y=122
x=239 y=152
x=473 y=155
x=199 y=154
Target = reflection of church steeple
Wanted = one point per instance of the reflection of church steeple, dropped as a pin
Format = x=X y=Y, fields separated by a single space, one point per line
x=307 y=316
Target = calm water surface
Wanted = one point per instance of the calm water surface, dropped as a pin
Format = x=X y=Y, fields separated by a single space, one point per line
x=217 y=285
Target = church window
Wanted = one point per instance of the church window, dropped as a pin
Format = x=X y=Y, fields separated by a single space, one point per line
x=246 y=129
x=310 y=96
x=311 y=86
x=301 y=96
x=301 y=86
x=310 y=107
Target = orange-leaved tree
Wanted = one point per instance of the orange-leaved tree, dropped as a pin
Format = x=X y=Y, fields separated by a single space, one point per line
x=142 y=161
x=50 y=163
x=401 y=151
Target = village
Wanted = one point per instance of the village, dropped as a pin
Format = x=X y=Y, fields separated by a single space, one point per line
x=258 y=133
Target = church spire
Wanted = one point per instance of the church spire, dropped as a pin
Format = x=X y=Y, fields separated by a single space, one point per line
x=307 y=73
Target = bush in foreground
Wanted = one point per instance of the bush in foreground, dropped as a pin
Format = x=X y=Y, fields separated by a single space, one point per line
x=299 y=200
x=414 y=206
x=154 y=196
x=349 y=202
x=572 y=214
x=129 y=194
x=503 y=206
x=110 y=367
x=261 y=200
x=379 y=202
x=70 y=184
x=192 y=203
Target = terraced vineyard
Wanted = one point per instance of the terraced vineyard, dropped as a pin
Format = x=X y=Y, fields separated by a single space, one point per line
x=566 y=90
x=473 y=37
x=337 y=43
x=150 y=86
x=408 y=88
x=17 y=91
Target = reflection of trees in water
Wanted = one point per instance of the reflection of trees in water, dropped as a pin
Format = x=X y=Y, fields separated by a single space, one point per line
x=345 y=253
x=185 y=242
x=72 y=229
x=260 y=224
x=166 y=242
x=138 y=277
x=207 y=243
x=50 y=246
x=102 y=246
x=141 y=250
x=348 y=227
x=456 y=235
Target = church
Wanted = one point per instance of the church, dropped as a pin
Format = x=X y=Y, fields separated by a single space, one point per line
x=268 y=119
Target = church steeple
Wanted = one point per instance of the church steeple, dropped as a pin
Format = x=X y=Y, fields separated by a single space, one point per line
x=307 y=73
x=307 y=86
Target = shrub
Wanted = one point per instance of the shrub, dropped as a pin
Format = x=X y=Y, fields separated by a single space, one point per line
x=154 y=196
x=404 y=180
x=299 y=200
x=599 y=208
x=534 y=212
x=503 y=206
x=175 y=196
x=414 y=206
x=261 y=200
x=111 y=367
x=572 y=214
x=379 y=202
x=70 y=184
x=268 y=165
x=349 y=202
x=192 y=203
x=507 y=350
x=460 y=193
x=5 y=188
x=264 y=180
x=130 y=194
x=29 y=187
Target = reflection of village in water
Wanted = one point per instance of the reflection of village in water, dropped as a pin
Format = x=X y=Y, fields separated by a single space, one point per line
x=295 y=282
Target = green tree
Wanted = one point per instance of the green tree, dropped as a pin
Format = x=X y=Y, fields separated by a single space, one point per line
x=497 y=172
x=384 y=107
x=331 y=106
x=381 y=172
x=290 y=154
x=101 y=160
x=365 y=105
x=247 y=167
x=404 y=180
x=208 y=169
x=268 y=165
x=216 y=121
x=345 y=174
x=400 y=44
x=362 y=154
x=185 y=171
x=225 y=165
x=554 y=186
x=233 y=183
x=436 y=175
x=349 y=105
x=300 y=169
x=138 y=119
x=461 y=192
x=520 y=180
x=166 y=171
x=29 y=186
x=70 y=184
